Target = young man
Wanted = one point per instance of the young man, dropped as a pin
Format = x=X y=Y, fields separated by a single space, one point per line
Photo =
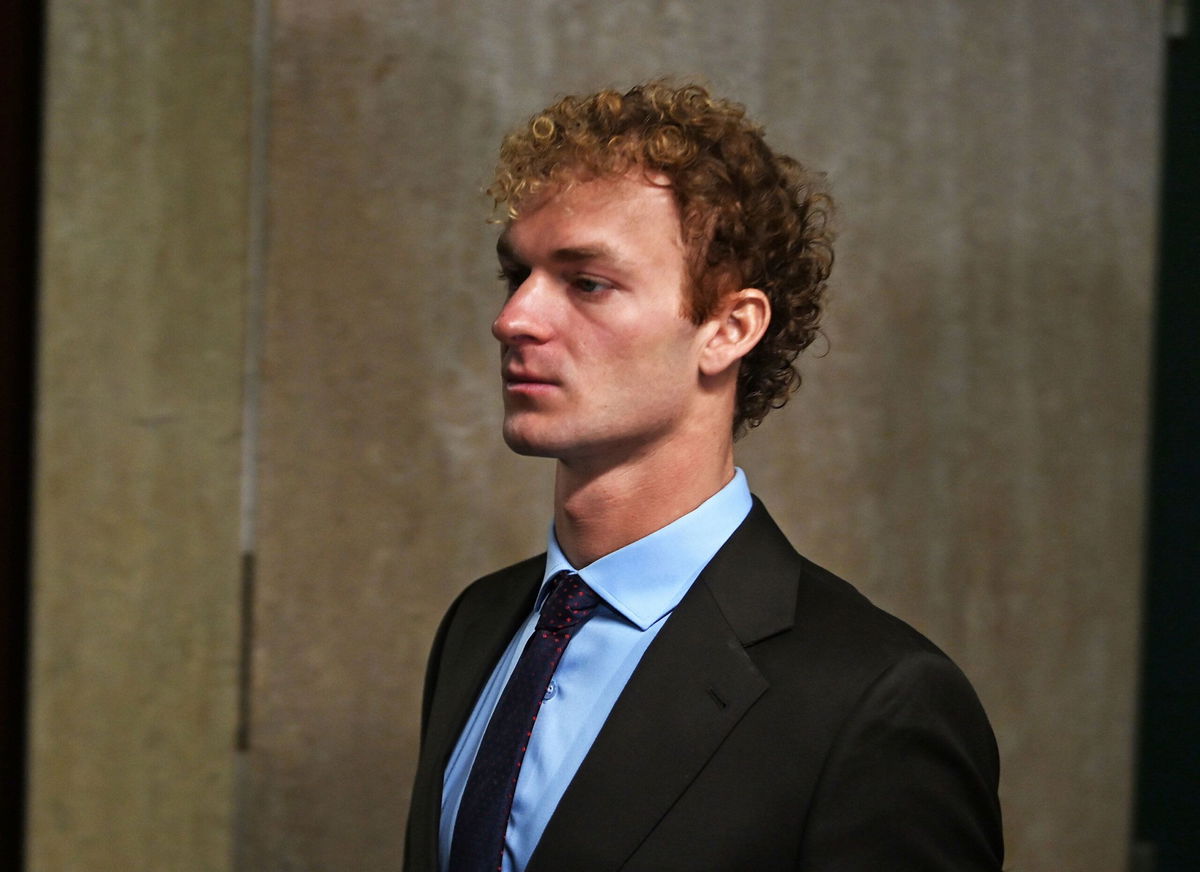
x=671 y=686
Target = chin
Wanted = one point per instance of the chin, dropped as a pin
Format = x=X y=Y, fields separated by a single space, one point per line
x=527 y=449
x=537 y=438
x=527 y=444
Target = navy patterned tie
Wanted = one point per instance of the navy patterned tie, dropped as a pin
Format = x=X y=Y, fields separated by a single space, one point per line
x=479 y=829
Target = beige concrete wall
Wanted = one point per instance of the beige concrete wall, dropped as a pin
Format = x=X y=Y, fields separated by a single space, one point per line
x=969 y=452
x=138 y=438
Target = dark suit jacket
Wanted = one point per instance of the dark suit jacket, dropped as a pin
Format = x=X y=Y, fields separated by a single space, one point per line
x=778 y=721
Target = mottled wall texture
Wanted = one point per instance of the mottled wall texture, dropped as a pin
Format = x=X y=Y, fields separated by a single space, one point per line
x=143 y=278
x=304 y=190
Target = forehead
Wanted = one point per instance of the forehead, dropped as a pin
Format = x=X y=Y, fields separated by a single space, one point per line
x=628 y=210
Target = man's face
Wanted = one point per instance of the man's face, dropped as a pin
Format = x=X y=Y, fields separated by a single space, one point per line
x=599 y=363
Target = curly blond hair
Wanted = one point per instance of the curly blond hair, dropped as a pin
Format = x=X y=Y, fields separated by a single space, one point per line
x=750 y=217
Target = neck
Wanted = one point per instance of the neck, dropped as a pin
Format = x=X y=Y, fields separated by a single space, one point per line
x=597 y=511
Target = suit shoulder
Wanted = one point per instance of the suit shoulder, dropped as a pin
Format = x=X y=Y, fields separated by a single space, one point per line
x=847 y=653
x=855 y=641
x=776 y=598
x=840 y=608
x=911 y=750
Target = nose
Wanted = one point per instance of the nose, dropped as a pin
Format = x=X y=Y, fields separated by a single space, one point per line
x=523 y=318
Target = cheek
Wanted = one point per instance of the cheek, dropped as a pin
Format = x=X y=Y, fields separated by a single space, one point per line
x=658 y=371
x=652 y=351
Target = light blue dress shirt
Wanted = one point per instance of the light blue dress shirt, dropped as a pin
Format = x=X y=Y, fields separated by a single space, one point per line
x=640 y=585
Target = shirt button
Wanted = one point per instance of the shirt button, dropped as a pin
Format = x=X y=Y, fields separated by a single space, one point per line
x=551 y=689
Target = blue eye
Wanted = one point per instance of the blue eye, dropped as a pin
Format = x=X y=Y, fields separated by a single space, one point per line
x=589 y=285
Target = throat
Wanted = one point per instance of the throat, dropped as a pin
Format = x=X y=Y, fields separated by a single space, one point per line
x=598 y=513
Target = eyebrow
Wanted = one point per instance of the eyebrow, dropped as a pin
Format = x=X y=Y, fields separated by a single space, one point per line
x=567 y=254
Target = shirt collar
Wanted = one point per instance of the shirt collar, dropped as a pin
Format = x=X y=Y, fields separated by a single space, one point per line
x=646 y=579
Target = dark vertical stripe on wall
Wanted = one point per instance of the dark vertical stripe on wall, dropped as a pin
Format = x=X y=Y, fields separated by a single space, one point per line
x=20 y=96
x=1168 y=801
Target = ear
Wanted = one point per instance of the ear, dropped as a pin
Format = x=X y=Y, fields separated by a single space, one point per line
x=736 y=326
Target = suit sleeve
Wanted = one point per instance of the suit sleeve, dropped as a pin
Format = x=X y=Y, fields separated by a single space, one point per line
x=911 y=780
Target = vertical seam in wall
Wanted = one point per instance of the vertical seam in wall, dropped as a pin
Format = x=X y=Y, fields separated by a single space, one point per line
x=256 y=270
x=256 y=276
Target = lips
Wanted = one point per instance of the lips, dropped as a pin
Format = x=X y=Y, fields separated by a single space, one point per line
x=520 y=381
x=516 y=375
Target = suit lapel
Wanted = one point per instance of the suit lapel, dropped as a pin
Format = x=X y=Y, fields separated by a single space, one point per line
x=692 y=687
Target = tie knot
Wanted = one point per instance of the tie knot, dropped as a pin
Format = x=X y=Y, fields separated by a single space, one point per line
x=570 y=603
